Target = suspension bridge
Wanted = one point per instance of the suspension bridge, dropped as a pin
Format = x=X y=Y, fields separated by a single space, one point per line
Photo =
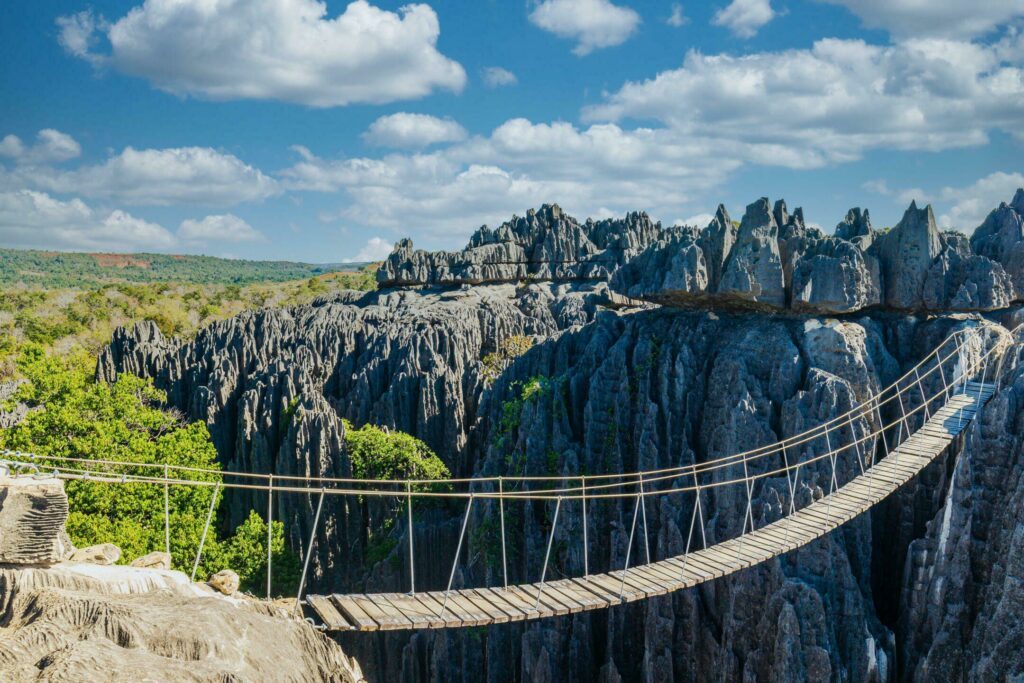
x=885 y=440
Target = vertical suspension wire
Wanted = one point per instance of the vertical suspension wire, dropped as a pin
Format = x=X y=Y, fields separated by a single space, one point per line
x=833 y=483
x=700 y=513
x=792 y=493
x=458 y=551
x=856 y=441
x=547 y=554
x=412 y=556
x=747 y=512
x=629 y=546
x=900 y=438
x=924 y=400
x=206 y=528
x=643 y=512
x=167 y=512
x=586 y=544
x=270 y=529
x=309 y=551
x=501 y=514
x=689 y=537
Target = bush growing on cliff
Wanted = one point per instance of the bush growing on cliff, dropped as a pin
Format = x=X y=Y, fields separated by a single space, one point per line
x=124 y=421
x=510 y=348
x=379 y=454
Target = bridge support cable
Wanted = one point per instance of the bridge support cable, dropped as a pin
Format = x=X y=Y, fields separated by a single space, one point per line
x=167 y=512
x=309 y=551
x=458 y=551
x=547 y=554
x=629 y=545
x=924 y=401
x=501 y=514
x=643 y=512
x=586 y=544
x=206 y=529
x=270 y=528
x=833 y=483
x=747 y=513
x=412 y=556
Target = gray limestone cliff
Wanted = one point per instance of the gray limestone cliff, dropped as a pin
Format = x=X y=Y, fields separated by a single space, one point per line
x=634 y=388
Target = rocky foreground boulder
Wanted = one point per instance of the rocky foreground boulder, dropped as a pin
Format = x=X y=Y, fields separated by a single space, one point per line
x=62 y=620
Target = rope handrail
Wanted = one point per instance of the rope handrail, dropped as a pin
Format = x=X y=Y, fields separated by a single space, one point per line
x=872 y=404
x=567 y=493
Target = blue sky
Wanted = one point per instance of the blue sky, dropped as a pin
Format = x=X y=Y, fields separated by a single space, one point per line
x=301 y=130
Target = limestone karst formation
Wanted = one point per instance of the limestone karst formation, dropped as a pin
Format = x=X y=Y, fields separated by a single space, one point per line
x=658 y=346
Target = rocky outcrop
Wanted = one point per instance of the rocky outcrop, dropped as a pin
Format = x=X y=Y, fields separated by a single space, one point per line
x=1001 y=238
x=83 y=619
x=961 y=600
x=772 y=262
x=11 y=411
x=544 y=245
x=74 y=622
x=32 y=516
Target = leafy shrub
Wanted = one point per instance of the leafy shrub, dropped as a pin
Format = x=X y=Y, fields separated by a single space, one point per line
x=124 y=421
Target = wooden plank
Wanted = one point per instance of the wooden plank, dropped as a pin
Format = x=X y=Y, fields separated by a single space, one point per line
x=383 y=612
x=466 y=609
x=640 y=583
x=662 y=572
x=562 y=604
x=496 y=600
x=332 y=618
x=586 y=586
x=354 y=613
x=611 y=585
x=429 y=605
x=520 y=602
x=497 y=614
x=566 y=596
x=411 y=608
x=547 y=606
x=584 y=598
x=698 y=563
x=691 y=573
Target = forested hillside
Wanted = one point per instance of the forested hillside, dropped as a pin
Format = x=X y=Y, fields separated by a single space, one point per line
x=70 y=269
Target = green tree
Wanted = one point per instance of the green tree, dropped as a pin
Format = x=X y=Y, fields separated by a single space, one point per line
x=127 y=421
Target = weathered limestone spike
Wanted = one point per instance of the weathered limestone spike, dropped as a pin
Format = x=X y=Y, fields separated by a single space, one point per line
x=32 y=516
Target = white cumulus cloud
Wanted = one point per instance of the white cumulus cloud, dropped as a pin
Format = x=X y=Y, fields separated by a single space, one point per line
x=196 y=175
x=966 y=207
x=35 y=220
x=218 y=228
x=830 y=103
x=376 y=249
x=744 y=17
x=50 y=146
x=949 y=18
x=593 y=24
x=286 y=50
x=495 y=77
x=676 y=18
x=405 y=130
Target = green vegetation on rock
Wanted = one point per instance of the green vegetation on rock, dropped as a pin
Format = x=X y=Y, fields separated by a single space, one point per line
x=77 y=417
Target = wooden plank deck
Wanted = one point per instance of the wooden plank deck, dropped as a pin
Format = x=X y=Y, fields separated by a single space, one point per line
x=481 y=606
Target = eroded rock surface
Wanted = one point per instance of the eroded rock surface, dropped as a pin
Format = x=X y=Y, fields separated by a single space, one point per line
x=74 y=622
x=623 y=390
x=771 y=262
x=32 y=516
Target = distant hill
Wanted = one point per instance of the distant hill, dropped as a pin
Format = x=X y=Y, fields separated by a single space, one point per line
x=59 y=269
